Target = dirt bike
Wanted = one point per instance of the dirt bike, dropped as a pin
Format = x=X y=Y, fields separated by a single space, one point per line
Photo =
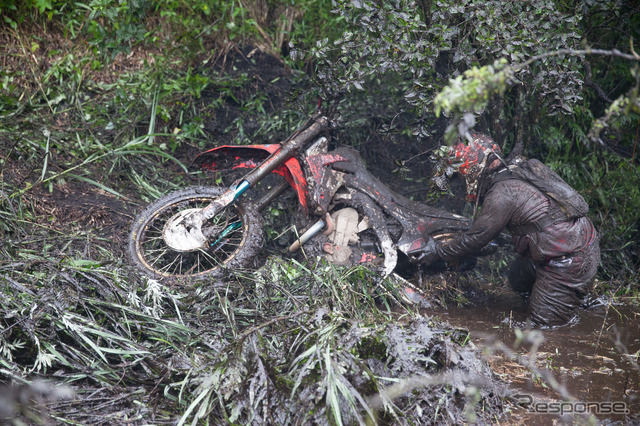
x=203 y=231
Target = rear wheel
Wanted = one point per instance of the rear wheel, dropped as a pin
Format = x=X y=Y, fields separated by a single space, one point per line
x=233 y=236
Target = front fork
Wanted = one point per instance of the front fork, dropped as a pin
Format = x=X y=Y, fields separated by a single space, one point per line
x=231 y=195
x=286 y=151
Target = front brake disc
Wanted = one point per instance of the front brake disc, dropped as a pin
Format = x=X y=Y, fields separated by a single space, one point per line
x=183 y=232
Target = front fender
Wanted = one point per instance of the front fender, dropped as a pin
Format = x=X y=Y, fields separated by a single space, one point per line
x=233 y=157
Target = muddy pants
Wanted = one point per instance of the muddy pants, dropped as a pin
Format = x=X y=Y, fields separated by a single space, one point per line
x=557 y=286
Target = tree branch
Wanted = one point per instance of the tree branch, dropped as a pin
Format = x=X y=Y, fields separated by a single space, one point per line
x=573 y=52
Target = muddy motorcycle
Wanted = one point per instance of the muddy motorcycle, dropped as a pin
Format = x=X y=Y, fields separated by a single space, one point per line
x=200 y=231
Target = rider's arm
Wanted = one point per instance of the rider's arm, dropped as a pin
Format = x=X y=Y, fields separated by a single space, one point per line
x=497 y=209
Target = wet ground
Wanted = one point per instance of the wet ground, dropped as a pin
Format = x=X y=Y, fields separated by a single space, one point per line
x=595 y=358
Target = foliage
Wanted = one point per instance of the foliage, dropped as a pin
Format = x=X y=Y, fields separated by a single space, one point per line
x=427 y=42
x=115 y=26
x=626 y=105
x=469 y=94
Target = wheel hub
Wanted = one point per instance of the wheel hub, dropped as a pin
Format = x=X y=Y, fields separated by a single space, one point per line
x=183 y=232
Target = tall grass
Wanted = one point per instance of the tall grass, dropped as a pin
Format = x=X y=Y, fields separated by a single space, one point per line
x=284 y=344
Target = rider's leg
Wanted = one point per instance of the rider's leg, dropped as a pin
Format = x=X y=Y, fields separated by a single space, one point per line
x=522 y=275
x=561 y=284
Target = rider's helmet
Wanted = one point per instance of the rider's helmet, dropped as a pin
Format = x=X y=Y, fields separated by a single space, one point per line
x=473 y=159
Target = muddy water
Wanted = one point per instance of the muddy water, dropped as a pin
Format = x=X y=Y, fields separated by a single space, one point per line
x=595 y=358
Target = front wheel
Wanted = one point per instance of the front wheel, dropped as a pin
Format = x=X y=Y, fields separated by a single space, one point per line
x=233 y=237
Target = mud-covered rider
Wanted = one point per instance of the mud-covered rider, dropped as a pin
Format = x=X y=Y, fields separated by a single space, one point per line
x=558 y=248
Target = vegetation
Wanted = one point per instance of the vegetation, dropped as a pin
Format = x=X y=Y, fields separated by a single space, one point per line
x=104 y=102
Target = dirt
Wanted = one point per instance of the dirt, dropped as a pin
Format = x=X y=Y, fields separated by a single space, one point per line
x=81 y=206
x=265 y=75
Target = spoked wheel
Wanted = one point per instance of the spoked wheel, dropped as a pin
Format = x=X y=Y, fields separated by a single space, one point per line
x=231 y=239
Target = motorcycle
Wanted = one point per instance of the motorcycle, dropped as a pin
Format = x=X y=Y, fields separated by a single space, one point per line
x=199 y=232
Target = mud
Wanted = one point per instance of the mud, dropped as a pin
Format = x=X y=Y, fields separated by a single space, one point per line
x=263 y=76
x=83 y=206
x=595 y=358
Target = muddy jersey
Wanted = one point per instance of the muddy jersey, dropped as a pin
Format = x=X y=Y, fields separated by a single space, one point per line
x=513 y=204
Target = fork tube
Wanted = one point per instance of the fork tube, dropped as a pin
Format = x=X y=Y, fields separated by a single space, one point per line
x=286 y=150
x=241 y=189
x=273 y=193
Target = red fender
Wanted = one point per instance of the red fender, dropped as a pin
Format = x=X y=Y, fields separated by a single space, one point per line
x=232 y=157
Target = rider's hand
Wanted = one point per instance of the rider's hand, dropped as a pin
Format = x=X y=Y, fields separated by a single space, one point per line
x=426 y=254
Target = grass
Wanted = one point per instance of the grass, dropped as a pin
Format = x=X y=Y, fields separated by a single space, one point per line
x=229 y=352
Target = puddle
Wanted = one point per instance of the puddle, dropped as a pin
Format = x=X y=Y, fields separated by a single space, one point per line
x=595 y=358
